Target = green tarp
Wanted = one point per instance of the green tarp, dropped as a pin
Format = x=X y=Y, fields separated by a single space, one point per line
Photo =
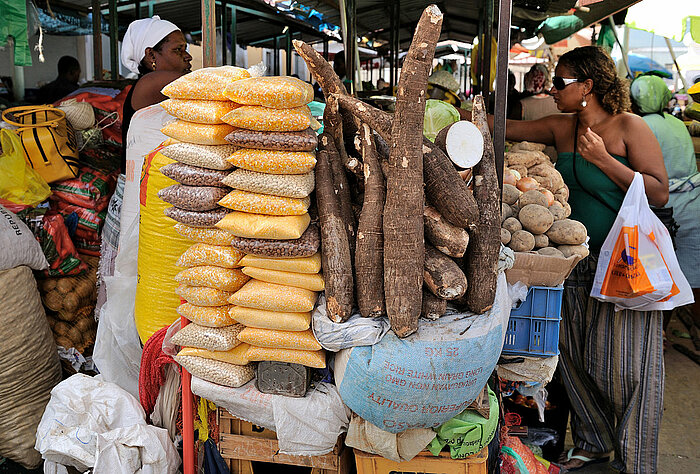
x=13 y=22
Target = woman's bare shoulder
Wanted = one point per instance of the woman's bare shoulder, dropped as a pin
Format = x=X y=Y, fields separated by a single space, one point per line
x=158 y=79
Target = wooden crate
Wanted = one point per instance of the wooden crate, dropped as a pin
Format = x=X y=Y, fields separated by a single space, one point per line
x=424 y=463
x=241 y=442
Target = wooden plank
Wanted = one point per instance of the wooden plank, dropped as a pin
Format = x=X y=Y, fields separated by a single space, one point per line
x=267 y=450
x=209 y=33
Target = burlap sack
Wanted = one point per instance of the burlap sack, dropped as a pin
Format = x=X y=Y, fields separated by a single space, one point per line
x=28 y=363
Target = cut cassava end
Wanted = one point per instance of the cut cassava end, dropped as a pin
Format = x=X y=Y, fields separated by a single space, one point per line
x=432 y=307
x=369 y=251
x=447 y=238
x=442 y=276
x=403 y=211
x=335 y=249
x=481 y=261
x=462 y=143
x=444 y=188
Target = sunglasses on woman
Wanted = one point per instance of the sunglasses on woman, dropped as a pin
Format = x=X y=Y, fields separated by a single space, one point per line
x=560 y=83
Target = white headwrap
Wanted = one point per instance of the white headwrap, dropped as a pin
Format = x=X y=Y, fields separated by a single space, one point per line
x=143 y=34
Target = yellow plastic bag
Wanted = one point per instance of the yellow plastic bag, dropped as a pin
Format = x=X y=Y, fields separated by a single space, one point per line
x=299 y=340
x=210 y=316
x=273 y=161
x=309 y=281
x=224 y=279
x=197 y=133
x=254 y=117
x=267 y=204
x=260 y=318
x=279 y=92
x=258 y=226
x=204 y=235
x=19 y=183
x=204 y=84
x=316 y=359
x=203 y=295
x=199 y=111
x=310 y=264
x=235 y=356
x=271 y=297
x=159 y=248
x=205 y=254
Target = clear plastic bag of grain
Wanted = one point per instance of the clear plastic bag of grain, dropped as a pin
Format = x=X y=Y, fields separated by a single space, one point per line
x=304 y=140
x=210 y=316
x=316 y=359
x=285 y=185
x=196 y=218
x=305 y=246
x=272 y=297
x=217 y=372
x=225 y=279
x=205 y=254
x=212 y=339
x=198 y=133
x=255 y=117
x=203 y=296
x=199 y=111
x=212 y=236
x=212 y=157
x=235 y=356
x=193 y=198
x=195 y=175
x=205 y=84
x=267 y=204
x=299 y=340
x=273 y=161
x=280 y=92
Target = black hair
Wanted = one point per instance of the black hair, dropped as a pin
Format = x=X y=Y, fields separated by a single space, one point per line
x=143 y=65
x=67 y=64
x=594 y=63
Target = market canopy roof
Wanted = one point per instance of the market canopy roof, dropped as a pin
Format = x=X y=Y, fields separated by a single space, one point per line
x=656 y=17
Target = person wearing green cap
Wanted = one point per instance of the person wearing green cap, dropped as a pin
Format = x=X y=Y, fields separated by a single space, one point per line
x=649 y=98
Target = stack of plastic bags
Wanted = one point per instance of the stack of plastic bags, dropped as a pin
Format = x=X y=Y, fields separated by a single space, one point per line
x=211 y=274
x=270 y=222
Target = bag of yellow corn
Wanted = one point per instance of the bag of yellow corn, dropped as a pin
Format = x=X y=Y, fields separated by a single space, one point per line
x=299 y=340
x=260 y=318
x=204 y=84
x=235 y=356
x=212 y=236
x=210 y=316
x=309 y=281
x=279 y=92
x=310 y=264
x=203 y=296
x=199 y=111
x=258 y=226
x=267 y=204
x=316 y=359
x=206 y=254
x=272 y=297
x=255 y=117
x=273 y=161
x=198 y=133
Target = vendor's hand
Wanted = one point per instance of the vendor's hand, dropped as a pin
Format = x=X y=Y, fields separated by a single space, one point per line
x=591 y=147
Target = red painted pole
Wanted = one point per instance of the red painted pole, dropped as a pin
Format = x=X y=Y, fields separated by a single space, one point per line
x=188 y=458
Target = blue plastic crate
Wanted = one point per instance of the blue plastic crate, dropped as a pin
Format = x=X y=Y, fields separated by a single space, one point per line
x=533 y=328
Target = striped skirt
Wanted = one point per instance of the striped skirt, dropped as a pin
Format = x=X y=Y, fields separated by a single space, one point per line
x=613 y=369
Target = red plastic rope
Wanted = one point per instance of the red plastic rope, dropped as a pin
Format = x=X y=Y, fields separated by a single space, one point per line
x=152 y=372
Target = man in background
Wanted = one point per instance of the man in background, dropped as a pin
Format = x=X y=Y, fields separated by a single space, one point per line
x=65 y=83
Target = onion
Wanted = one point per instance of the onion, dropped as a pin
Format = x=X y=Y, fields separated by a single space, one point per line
x=509 y=177
x=549 y=195
x=527 y=184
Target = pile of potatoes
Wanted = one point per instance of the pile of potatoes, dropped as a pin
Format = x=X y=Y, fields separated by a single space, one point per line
x=70 y=307
x=535 y=210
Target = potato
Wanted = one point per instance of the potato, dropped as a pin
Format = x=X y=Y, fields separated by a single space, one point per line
x=551 y=252
x=541 y=241
x=548 y=177
x=75 y=335
x=522 y=241
x=533 y=197
x=505 y=236
x=567 y=231
x=48 y=284
x=558 y=211
x=510 y=194
x=528 y=146
x=569 y=250
x=64 y=341
x=65 y=315
x=506 y=211
x=61 y=328
x=65 y=285
x=71 y=302
x=563 y=194
x=567 y=209
x=520 y=169
x=536 y=219
x=512 y=224
x=520 y=158
x=53 y=300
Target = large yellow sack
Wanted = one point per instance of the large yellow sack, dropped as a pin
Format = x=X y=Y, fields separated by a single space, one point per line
x=224 y=279
x=299 y=340
x=159 y=249
x=264 y=119
x=263 y=295
x=205 y=84
x=235 y=356
x=210 y=316
x=316 y=359
x=309 y=281
x=279 y=92
x=273 y=161
x=310 y=264
x=199 y=111
x=267 y=204
x=197 y=133
x=258 y=226
x=260 y=318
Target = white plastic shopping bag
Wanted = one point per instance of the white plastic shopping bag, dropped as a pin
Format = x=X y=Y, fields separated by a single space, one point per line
x=637 y=268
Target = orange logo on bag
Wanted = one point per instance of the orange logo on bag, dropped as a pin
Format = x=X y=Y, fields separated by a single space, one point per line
x=625 y=276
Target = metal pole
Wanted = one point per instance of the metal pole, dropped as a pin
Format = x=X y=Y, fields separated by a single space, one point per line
x=392 y=47
x=501 y=107
x=137 y=10
x=224 y=33
x=673 y=56
x=397 y=39
x=234 y=36
x=188 y=459
x=209 y=33
x=114 y=39
x=288 y=53
x=97 y=39
x=276 y=58
x=486 y=50
x=622 y=48
x=325 y=49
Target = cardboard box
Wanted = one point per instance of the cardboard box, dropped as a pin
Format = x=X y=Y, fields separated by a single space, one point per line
x=534 y=269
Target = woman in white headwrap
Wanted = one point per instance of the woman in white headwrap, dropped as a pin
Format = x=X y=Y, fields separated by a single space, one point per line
x=156 y=50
